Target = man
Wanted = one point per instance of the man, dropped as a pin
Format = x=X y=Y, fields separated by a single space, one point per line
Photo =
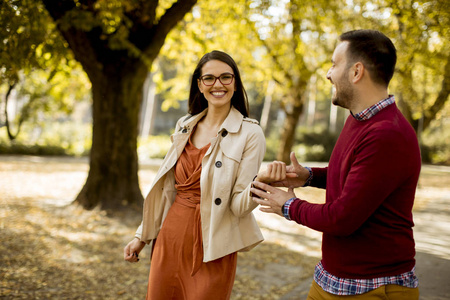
x=367 y=245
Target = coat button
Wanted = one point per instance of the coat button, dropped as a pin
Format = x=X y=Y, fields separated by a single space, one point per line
x=218 y=201
x=184 y=130
x=224 y=133
x=218 y=164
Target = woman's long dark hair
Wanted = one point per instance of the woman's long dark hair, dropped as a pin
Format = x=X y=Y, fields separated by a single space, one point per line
x=197 y=102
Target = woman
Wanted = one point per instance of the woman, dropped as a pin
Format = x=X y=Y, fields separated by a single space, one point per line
x=198 y=213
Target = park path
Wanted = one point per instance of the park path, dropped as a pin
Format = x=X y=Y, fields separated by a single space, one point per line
x=281 y=268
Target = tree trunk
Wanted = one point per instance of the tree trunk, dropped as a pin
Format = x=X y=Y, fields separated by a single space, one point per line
x=148 y=108
x=267 y=105
x=12 y=137
x=117 y=68
x=441 y=99
x=288 y=134
x=406 y=110
x=113 y=175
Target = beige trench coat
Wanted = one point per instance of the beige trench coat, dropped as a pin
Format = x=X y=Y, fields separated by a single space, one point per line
x=228 y=167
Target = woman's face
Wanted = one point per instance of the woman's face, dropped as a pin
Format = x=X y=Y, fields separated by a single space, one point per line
x=220 y=93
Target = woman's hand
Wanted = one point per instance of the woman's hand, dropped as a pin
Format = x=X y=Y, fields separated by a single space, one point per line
x=296 y=175
x=275 y=171
x=132 y=250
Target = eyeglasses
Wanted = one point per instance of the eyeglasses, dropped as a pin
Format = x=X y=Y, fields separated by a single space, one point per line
x=225 y=79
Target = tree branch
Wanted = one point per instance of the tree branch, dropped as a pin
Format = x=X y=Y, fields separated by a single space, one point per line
x=296 y=31
x=143 y=18
x=270 y=52
x=58 y=9
x=86 y=46
x=441 y=98
x=11 y=136
x=154 y=41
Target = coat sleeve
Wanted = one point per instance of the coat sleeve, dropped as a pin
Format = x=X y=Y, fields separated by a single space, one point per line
x=138 y=233
x=252 y=157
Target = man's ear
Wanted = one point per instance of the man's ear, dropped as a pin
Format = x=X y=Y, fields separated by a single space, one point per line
x=357 y=72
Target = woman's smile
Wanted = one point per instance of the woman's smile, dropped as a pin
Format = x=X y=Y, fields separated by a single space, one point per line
x=218 y=94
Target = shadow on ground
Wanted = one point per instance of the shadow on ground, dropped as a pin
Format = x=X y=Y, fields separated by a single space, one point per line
x=50 y=252
x=51 y=249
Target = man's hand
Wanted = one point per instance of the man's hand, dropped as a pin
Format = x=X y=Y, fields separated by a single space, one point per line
x=272 y=199
x=296 y=175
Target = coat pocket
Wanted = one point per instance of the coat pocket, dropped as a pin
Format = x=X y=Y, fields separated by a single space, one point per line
x=232 y=148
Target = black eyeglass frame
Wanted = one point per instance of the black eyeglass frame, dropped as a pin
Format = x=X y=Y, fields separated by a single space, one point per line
x=215 y=79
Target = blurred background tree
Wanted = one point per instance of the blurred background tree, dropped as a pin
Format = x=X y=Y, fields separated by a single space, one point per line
x=139 y=55
x=284 y=49
x=36 y=66
x=115 y=42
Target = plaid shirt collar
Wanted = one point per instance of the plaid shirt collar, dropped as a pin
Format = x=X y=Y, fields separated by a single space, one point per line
x=374 y=109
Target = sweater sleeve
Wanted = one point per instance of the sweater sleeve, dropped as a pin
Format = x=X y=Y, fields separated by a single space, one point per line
x=319 y=179
x=380 y=162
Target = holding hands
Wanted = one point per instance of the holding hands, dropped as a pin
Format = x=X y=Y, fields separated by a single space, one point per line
x=271 y=198
x=275 y=171
x=277 y=174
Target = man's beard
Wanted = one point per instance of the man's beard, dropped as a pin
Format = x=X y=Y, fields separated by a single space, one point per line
x=344 y=96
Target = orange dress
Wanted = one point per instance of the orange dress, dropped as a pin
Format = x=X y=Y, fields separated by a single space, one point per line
x=177 y=270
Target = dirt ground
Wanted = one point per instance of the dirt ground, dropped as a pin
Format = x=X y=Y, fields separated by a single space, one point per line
x=51 y=249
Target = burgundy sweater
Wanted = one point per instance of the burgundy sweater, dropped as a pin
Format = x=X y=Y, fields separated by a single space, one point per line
x=370 y=185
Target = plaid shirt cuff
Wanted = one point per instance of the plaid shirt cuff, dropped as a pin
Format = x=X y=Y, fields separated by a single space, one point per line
x=286 y=207
x=308 y=181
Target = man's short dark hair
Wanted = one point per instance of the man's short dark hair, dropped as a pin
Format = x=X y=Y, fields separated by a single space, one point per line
x=375 y=50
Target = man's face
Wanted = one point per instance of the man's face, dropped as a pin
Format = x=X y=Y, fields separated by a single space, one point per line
x=338 y=75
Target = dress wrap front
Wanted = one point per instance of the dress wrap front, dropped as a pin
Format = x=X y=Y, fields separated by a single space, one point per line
x=177 y=269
